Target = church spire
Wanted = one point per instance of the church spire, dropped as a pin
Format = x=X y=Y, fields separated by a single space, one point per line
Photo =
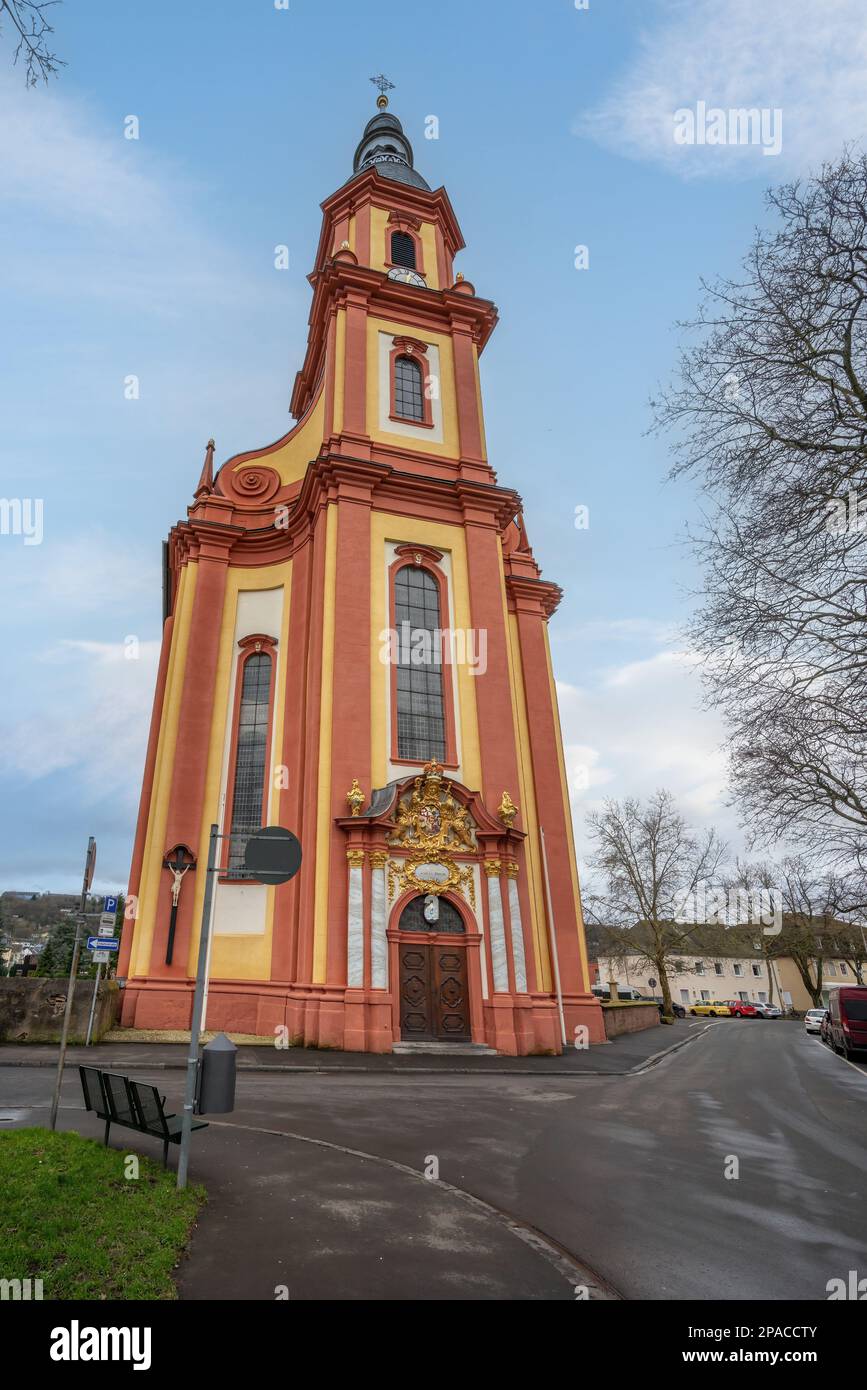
x=384 y=147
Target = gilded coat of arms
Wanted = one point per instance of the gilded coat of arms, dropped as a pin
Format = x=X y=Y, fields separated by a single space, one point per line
x=431 y=825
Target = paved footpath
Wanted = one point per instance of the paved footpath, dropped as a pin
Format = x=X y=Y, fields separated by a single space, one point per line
x=614 y=1058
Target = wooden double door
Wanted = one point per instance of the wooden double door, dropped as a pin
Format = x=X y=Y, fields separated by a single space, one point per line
x=434 y=998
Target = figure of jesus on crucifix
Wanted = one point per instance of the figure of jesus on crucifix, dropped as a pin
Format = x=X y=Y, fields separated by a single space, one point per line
x=177 y=861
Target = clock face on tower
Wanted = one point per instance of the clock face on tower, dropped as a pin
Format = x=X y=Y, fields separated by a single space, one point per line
x=407 y=277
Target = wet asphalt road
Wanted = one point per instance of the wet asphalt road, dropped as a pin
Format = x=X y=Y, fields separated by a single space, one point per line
x=626 y=1172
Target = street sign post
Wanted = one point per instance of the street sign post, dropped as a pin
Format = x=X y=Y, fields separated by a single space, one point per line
x=102 y=945
x=89 y=866
x=279 y=859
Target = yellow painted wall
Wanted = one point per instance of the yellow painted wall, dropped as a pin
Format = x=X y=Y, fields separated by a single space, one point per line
x=428 y=236
x=481 y=406
x=162 y=784
x=243 y=957
x=339 y=352
x=385 y=527
x=450 y=446
x=323 y=813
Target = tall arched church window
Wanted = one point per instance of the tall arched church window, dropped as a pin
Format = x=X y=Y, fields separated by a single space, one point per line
x=251 y=742
x=403 y=250
x=408 y=389
x=421 y=723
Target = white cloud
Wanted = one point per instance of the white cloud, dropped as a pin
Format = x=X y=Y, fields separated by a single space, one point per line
x=640 y=727
x=104 y=216
x=94 y=717
x=808 y=59
x=95 y=571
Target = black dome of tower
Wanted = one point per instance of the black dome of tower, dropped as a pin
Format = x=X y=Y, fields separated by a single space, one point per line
x=385 y=148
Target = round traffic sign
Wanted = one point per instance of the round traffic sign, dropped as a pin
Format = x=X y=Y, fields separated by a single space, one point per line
x=273 y=855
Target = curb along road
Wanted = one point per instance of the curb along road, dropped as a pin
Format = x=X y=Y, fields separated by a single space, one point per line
x=276 y=1068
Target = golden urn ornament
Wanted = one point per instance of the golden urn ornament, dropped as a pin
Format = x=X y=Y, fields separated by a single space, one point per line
x=355 y=797
x=507 y=811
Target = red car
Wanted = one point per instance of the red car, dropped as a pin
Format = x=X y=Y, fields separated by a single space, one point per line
x=847 y=1019
x=741 y=1009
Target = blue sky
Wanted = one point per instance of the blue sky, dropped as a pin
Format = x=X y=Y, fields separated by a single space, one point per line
x=154 y=257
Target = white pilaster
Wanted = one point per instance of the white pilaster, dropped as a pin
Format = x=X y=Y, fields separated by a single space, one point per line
x=517 y=938
x=378 y=923
x=499 y=964
x=355 y=929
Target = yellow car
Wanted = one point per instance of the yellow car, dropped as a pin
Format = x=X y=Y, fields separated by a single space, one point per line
x=711 y=1007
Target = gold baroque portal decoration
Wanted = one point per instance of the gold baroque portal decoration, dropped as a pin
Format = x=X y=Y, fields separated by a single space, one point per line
x=430 y=821
x=355 y=797
x=429 y=876
x=511 y=869
x=507 y=810
x=355 y=858
x=493 y=868
x=432 y=825
x=378 y=859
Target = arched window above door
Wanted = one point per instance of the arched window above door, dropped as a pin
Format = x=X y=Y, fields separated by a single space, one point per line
x=449 y=920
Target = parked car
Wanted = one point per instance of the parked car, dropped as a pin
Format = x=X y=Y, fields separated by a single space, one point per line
x=677 y=1009
x=714 y=1008
x=847 y=1025
x=768 y=1010
x=813 y=1020
x=742 y=1008
x=626 y=993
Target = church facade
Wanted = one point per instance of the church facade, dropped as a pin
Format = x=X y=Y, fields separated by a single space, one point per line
x=355 y=647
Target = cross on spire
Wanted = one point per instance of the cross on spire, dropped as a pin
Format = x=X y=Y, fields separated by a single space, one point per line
x=384 y=86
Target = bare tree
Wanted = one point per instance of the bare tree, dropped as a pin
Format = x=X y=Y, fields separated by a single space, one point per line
x=651 y=864
x=769 y=413
x=850 y=945
x=30 y=25
x=809 y=906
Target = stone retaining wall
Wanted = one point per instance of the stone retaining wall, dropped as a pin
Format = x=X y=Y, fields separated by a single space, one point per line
x=31 y=1009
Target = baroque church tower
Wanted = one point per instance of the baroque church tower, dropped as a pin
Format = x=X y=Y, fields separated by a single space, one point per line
x=356 y=647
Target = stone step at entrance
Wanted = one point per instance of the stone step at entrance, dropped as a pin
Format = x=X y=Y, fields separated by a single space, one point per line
x=441 y=1049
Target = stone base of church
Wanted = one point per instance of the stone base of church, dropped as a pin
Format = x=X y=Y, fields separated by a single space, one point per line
x=355 y=1020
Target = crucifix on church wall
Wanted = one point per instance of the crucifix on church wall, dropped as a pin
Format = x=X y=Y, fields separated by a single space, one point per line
x=178 y=860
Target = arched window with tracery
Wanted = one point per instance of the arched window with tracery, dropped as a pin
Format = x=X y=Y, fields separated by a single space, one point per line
x=251 y=744
x=421 y=714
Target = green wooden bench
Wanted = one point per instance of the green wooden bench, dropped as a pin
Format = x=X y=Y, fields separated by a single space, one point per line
x=133 y=1104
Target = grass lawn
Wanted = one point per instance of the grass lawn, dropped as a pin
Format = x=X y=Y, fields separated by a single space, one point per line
x=72 y=1219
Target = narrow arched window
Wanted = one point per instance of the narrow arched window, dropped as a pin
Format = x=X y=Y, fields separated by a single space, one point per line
x=403 y=250
x=251 y=748
x=421 y=724
x=408 y=397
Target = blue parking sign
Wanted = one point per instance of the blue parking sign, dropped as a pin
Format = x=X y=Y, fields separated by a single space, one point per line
x=109 y=904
